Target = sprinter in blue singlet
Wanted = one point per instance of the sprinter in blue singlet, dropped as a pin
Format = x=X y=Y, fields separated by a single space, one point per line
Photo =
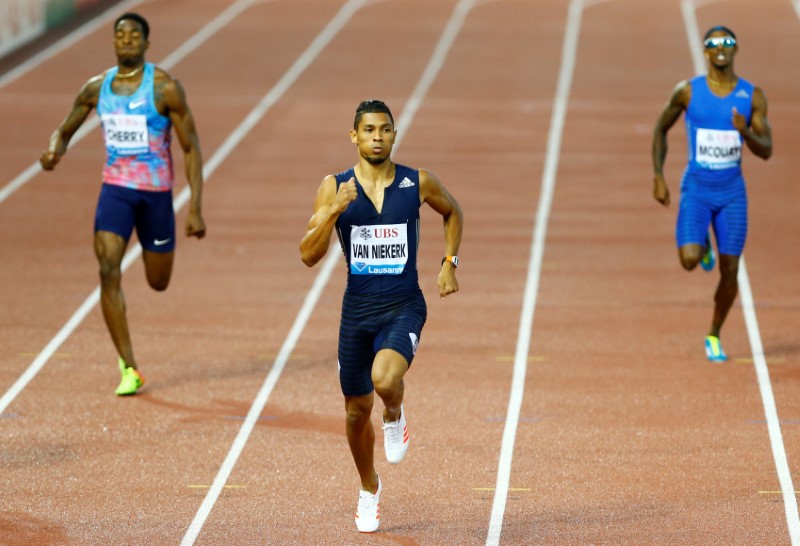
x=723 y=114
x=374 y=209
x=139 y=104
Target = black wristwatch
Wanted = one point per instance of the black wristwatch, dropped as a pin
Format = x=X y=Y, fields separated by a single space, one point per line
x=452 y=259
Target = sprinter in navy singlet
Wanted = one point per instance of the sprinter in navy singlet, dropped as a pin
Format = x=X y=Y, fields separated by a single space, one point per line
x=374 y=209
x=723 y=114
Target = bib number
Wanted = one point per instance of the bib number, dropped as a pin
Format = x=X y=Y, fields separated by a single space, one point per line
x=126 y=134
x=715 y=149
x=378 y=250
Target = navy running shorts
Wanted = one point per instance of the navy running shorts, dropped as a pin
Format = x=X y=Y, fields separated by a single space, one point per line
x=370 y=324
x=120 y=209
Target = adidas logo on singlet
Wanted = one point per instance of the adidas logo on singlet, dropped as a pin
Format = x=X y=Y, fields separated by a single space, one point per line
x=406 y=183
x=742 y=94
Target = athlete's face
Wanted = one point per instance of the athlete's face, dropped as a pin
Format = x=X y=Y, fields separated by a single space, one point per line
x=720 y=49
x=374 y=137
x=129 y=42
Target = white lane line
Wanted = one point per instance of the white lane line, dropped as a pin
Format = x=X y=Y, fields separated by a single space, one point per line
x=412 y=105
x=568 y=55
x=796 y=6
x=749 y=311
x=39 y=362
x=223 y=19
x=68 y=41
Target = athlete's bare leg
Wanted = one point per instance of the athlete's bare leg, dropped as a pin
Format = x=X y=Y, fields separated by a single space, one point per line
x=109 y=249
x=726 y=292
x=158 y=268
x=690 y=255
x=388 y=370
x=361 y=437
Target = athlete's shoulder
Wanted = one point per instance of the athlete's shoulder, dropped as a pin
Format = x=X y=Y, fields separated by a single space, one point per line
x=426 y=175
x=405 y=170
x=90 y=92
x=682 y=92
x=429 y=184
x=99 y=78
x=343 y=176
x=163 y=80
x=160 y=73
x=747 y=83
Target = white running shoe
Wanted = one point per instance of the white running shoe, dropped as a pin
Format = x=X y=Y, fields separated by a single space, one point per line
x=395 y=438
x=368 y=516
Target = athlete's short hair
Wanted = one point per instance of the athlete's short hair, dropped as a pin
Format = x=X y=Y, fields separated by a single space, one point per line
x=716 y=28
x=134 y=17
x=371 y=106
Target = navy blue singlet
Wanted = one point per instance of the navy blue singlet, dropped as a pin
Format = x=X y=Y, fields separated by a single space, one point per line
x=381 y=248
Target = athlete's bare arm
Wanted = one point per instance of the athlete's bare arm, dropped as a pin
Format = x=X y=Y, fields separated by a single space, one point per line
x=171 y=101
x=677 y=104
x=758 y=135
x=81 y=108
x=433 y=192
x=329 y=204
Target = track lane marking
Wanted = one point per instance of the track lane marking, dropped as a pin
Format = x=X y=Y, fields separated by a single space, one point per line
x=557 y=119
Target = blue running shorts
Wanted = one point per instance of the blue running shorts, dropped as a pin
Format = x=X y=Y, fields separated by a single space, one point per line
x=724 y=208
x=120 y=209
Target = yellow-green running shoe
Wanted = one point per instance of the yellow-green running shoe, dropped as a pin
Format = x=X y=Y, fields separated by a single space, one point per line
x=131 y=380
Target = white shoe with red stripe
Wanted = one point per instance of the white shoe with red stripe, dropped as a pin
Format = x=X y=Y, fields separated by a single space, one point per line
x=395 y=438
x=368 y=516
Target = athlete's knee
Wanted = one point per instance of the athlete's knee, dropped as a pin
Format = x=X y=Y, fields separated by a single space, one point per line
x=110 y=272
x=158 y=283
x=387 y=384
x=729 y=268
x=358 y=409
x=690 y=256
x=158 y=267
x=385 y=389
x=387 y=372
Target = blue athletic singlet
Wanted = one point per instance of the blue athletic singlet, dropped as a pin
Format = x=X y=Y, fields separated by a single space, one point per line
x=715 y=146
x=383 y=306
x=713 y=189
x=137 y=136
x=381 y=248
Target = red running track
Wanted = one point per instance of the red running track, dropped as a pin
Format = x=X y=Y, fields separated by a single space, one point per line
x=626 y=435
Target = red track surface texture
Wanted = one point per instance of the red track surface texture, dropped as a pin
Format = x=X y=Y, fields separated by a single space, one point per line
x=626 y=435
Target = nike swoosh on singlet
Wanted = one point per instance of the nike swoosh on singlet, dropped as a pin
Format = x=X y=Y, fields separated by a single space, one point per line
x=136 y=104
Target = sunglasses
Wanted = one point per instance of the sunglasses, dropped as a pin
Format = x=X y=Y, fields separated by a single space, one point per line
x=724 y=41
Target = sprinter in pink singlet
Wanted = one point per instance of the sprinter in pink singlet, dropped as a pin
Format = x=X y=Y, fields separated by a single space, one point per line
x=139 y=104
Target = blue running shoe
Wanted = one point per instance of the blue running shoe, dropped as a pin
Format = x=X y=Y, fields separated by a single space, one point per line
x=714 y=350
x=709 y=258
